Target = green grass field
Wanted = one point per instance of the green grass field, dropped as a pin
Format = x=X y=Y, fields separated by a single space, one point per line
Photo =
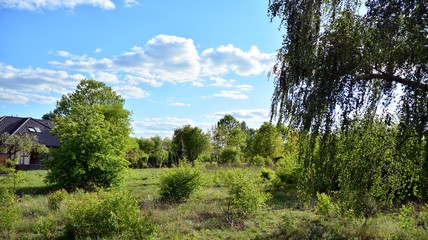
x=205 y=216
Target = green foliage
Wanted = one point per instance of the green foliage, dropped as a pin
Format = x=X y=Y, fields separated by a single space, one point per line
x=177 y=185
x=55 y=199
x=15 y=145
x=258 y=161
x=246 y=196
x=93 y=129
x=407 y=221
x=9 y=213
x=106 y=214
x=190 y=142
x=228 y=134
x=325 y=206
x=230 y=155
x=267 y=142
x=267 y=174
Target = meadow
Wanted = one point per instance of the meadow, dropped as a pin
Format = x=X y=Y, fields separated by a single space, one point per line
x=205 y=215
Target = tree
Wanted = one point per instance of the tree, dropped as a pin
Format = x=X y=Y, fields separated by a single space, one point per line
x=15 y=145
x=267 y=142
x=228 y=134
x=93 y=129
x=189 y=142
x=337 y=63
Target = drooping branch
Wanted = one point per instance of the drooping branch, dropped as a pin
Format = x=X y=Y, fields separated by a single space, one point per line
x=392 y=78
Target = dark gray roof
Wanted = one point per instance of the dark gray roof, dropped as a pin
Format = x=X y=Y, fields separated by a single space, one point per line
x=37 y=127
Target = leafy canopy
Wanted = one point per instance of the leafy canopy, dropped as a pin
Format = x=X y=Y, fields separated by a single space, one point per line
x=335 y=61
x=93 y=129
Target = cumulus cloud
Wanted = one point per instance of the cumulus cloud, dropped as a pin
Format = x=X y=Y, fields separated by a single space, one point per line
x=229 y=58
x=231 y=94
x=38 y=79
x=21 y=97
x=39 y=5
x=127 y=91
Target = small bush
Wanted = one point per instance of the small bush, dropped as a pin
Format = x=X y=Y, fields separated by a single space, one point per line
x=113 y=214
x=176 y=185
x=9 y=213
x=325 y=206
x=230 y=155
x=267 y=174
x=406 y=219
x=258 y=161
x=246 y=197
x=55 y=198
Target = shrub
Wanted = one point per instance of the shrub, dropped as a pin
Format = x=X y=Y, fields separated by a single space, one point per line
x=246 y=197
x=55 y=198
x=267 y=174
x=176 y=185
x=406 y=219
x=258 y=161
x=113 y=214
x=230 y=155
x=325 y=206
x=9 y=214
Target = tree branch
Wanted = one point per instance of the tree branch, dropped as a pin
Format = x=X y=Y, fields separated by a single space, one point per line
x=392 y=78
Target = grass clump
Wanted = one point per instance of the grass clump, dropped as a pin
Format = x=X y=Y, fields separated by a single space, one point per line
x=178 y=184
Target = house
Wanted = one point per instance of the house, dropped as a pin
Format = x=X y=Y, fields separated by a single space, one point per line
x=37 y=127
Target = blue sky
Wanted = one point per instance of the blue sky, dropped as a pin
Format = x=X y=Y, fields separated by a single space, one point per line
x=175 y=62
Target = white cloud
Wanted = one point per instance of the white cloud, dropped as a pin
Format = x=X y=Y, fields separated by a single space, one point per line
x=244 y=87
x=229 y=58
x=131 y=3
x=173 y=59
x=179 y=104
x=130 y=92
x=134 y=80
x=253 y=117
x=162 y=126
x=105 y=77
x=98 y=50
x=39 y=5
x=38 y=79
x=12 y=96
x=221 y=82
x=231 y=94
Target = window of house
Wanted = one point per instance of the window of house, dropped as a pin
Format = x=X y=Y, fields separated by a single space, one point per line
x=37 y=129
x=31 y=129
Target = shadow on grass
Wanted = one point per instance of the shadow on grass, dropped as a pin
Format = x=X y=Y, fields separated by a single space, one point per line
x=33 y=191
x=284 y=198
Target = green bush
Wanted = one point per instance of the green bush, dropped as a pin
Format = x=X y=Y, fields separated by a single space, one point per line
x=246 y=196
x=407 y=221
x=230 y=155
x=325 y=206
x=176 y=185
x=113 y=214
x=258 y=161
x=267 y=174
x=9 y=213
x=55 y=198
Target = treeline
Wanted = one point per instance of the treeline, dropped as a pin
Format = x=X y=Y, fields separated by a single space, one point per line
x=228 y=141
x=369 y=164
